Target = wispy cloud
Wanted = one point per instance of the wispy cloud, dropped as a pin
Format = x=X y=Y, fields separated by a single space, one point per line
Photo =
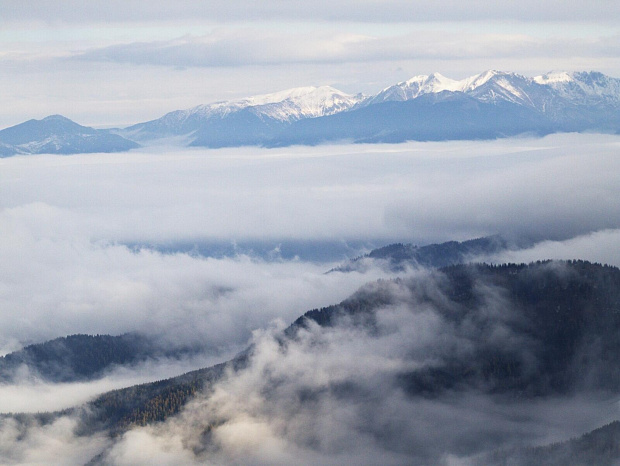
x=157 y=58
x=370 y=11
x=243 y=47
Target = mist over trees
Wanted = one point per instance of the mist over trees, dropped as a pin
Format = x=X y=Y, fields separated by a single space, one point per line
x=493 y=335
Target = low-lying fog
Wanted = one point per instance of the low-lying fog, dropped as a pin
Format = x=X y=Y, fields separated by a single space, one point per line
x=70 y=225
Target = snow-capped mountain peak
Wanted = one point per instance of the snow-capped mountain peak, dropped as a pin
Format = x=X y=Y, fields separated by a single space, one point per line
x=415 y=87
x=584 y=88
x=434 y=82
x=288 y=105
x=489 y=86
x=558 y=99
x=553 y=77
x=497 y=86
x=304 y=102
x=508 y=83
x=474 y=82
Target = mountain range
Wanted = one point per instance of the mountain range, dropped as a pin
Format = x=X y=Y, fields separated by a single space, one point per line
x=489 y=105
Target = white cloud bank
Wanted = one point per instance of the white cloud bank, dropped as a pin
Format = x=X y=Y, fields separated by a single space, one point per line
x=250 y=46
x=63 y=221
x=65 y=270
x=372 y=11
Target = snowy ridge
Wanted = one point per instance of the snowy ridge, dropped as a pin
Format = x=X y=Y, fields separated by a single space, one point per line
x=580 y=88
x=288 y=105
x=549 y=94
x=307 y=102
x=415 y=87
x=282 y=107
x=583 y=88
x=489 y=86
x=487 y=105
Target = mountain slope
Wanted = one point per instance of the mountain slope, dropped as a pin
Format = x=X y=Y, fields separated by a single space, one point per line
x=563 y=320
x=600 y=446
x=489 y=105
x=540 y=92
x=398 y=257
x=583 y=88
x=246 y=121
x=432 y=353
x=562 y=317
x=430 y=117
x=58 y=135
x=84 y=357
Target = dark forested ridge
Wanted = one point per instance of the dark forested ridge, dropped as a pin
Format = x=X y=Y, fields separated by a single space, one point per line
x=118 y=410
x=562 y=320
x=147 y=403
x=514 y=332
x=83 y=357
x=599 y=447
x=399 y=256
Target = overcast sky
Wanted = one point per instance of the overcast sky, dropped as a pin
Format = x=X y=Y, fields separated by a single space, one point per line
x=121 y=62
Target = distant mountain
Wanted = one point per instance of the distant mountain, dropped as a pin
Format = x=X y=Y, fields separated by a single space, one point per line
x=492 y=104
x=430 y=117
x=59 y=135
x=582 y=88
x=252 y=120
x=540 y=92
x=397 y=257
x=488 y=105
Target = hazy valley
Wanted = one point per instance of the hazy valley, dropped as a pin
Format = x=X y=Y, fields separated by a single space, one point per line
x=123 y=271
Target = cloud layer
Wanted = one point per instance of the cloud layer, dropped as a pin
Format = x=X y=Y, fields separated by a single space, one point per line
x=343 y=10
x=65 y=221
x=66 y=269
x=246 y=47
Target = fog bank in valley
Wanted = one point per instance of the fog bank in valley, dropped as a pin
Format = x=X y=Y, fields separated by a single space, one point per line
x=69 y=264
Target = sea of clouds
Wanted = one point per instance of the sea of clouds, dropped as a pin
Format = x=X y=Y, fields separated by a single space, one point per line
x=69 y=261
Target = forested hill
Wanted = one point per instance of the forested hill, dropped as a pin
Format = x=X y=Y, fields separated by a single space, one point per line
x=514 y=333
x=560 y=323
x=82 y=357
x=598 y=447
x=397 y=257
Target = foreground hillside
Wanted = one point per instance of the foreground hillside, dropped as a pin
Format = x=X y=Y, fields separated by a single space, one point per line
x=458 y=363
